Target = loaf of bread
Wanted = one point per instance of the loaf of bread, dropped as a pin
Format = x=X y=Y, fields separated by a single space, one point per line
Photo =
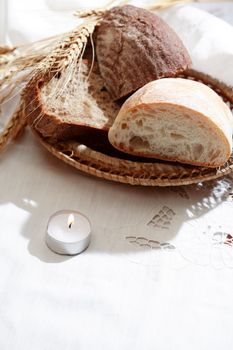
x=177 y=120
x=134 y=47
x=61 y=111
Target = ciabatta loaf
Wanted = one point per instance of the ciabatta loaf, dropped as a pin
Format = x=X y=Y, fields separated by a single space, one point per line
x=61 y=110
x=175 y=119
x=134 y=47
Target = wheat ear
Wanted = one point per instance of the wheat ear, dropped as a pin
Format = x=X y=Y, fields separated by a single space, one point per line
x=14 y=127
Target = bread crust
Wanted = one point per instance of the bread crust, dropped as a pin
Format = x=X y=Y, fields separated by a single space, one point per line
x=134 y=47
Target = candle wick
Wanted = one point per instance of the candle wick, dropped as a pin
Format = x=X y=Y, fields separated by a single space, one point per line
x=70 y=225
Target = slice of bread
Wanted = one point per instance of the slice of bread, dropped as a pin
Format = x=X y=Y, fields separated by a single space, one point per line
x=61 y=110
x=175 y=119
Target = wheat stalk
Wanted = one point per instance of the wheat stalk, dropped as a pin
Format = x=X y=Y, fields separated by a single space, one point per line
x=6 y=55
x=14 y=127
x=157 y=5
x=5 y=50
x=161 y=5
x=100 y=11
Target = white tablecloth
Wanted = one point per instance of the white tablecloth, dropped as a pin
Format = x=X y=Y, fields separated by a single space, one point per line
x=120 y=293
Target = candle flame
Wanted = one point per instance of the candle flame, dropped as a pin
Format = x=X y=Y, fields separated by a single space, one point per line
x=70 y=220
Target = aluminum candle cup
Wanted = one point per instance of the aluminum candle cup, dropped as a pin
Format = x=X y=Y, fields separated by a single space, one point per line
x=68 y=232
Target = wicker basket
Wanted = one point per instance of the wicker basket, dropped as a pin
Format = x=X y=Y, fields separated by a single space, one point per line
x=151 y=172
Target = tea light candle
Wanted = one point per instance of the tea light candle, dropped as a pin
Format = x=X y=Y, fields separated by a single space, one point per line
x=68 y=232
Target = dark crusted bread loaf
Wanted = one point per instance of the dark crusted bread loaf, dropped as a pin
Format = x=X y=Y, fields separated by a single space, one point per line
x=134 y=47
x=61 y=111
